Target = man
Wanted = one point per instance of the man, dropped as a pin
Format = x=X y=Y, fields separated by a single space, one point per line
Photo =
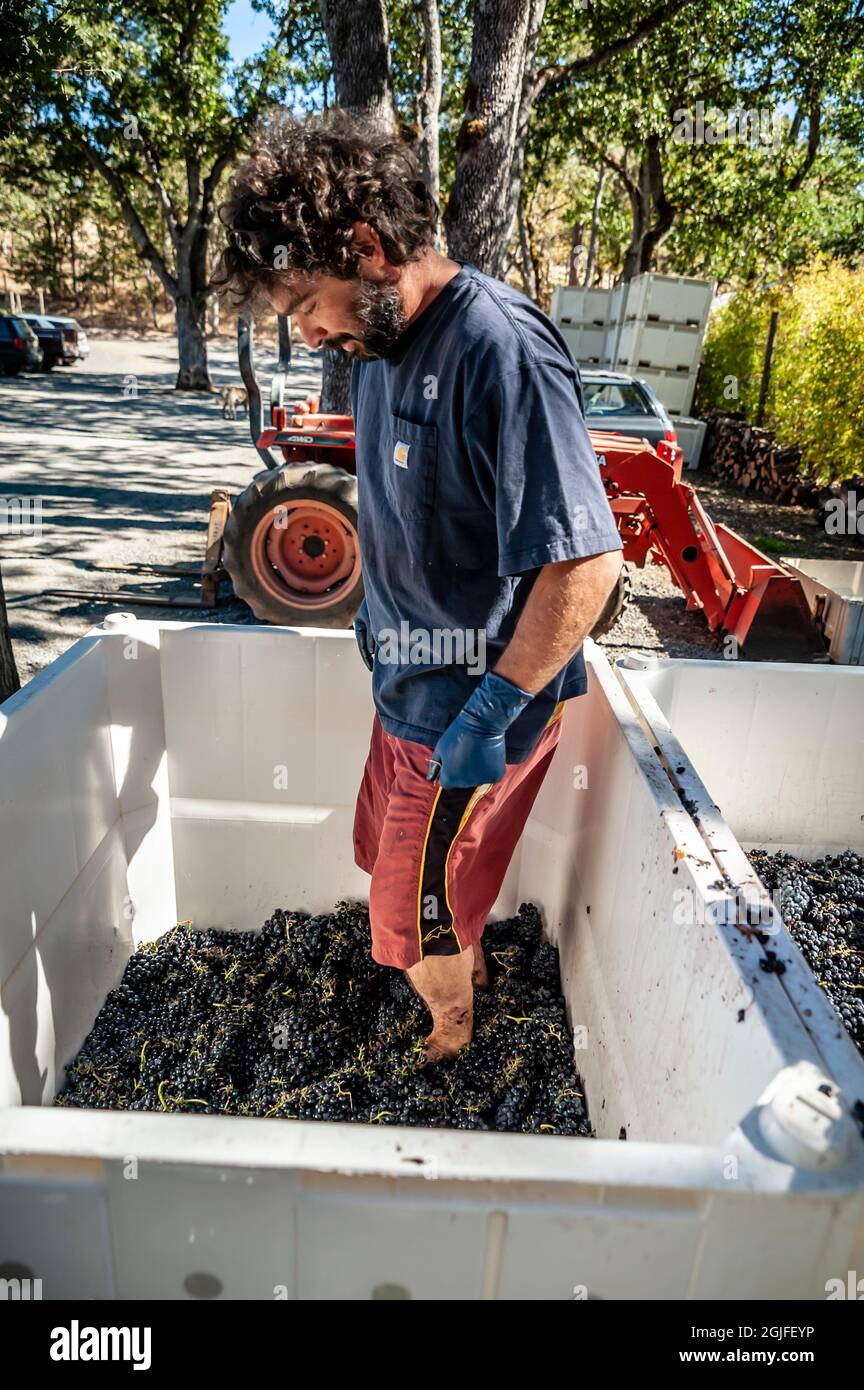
x=489 y=548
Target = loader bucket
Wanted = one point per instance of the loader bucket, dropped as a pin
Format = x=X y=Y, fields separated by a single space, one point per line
x=770 y=617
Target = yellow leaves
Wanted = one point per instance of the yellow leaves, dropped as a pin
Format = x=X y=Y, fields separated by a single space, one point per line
x=816 y=395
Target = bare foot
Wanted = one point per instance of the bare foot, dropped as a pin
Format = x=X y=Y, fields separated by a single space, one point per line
x=444 y=985
x=479 y=970
x=448 y=1037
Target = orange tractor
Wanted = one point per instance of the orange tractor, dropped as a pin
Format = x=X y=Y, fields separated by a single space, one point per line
x=290 y=546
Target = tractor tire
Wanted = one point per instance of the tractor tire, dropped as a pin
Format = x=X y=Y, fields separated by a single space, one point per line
x=615 y=604
x=291 y=546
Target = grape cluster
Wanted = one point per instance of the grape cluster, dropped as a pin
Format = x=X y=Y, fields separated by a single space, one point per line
x=298 y=1022
x=822 y=905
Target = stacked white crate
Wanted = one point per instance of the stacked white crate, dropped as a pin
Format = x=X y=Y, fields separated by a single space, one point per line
x=653 y=327
x=655 y=331
x=583 y=317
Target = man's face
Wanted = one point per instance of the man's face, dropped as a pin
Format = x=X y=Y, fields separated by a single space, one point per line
x=365 y=317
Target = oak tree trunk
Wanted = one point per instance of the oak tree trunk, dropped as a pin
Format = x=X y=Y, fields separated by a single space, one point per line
x=504 y=84
x=531 y=86
x=360 y=53
x=429 y=101
x=191 y=311
x=527 y=260
x=577 y=250
x=652 y=213
x=192 y=373
x=595 y=230
x=480 y=208
x=336 y=369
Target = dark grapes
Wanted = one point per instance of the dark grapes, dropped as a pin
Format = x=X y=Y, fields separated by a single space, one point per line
x=822 y=905
x=298 y=1022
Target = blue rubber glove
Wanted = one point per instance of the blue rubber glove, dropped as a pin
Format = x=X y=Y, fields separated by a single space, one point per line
x=364 y=634
x=471 y=751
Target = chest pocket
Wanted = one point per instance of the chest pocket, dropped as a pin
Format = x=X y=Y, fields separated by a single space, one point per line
x=410 y=471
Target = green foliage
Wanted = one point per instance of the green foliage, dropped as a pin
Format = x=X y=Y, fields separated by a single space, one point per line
x=734 y=352
x=816 y=394
x=740 y=210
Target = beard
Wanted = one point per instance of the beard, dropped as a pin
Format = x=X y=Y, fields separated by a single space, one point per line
x=380 y=319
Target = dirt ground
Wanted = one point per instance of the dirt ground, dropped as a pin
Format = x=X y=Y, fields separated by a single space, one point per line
x=124 y=467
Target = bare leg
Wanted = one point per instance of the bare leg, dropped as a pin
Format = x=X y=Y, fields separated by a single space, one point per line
x=444 y=985
x=480 y=973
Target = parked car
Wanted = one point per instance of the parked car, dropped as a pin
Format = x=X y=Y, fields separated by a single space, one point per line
x=19 y=346
x=625 y=405
x=50 y=339
x=75 y=344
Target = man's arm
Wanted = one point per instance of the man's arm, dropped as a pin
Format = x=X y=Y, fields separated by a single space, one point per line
x=532 y=456
x=564 y=604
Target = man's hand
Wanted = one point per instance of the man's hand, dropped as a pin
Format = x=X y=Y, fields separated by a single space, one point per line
x=364 y=634
x=470 y=752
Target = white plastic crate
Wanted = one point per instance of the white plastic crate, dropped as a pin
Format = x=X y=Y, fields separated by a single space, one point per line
x=573 y=305
x=691 y=437
x=674 y=389
x=767 y=755
x=660 y=346
x=838 y=587
x=668 y=298
x=585 y=342
x=137 y=788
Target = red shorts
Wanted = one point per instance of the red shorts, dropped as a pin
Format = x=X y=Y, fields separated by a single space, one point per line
x=437 y=857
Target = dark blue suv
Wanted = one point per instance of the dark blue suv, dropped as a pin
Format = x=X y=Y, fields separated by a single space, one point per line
x=19 y=346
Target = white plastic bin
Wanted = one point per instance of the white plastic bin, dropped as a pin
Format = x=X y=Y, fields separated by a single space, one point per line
x=837 y=588
x=672 y=347
x=691 y=437
x=585 y=341
x=779 y=746
x=671 y=298
x=571 y=304
x=137 y=788
x=766 y=755
x=675 y=389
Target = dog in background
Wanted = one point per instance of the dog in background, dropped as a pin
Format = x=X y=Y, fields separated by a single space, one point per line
x=234 y=398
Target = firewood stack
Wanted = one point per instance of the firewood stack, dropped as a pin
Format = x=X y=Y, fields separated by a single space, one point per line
x=750 y=458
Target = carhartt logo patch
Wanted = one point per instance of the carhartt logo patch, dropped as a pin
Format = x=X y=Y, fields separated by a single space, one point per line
x=400 y=454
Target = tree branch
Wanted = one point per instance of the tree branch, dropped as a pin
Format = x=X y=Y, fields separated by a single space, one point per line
x=140 y=235
x=621 y=170
x=813 y=138
x=562 y=72
x=166 y=202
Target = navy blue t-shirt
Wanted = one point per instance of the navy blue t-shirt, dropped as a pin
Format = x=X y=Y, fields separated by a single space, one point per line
x=474 y=470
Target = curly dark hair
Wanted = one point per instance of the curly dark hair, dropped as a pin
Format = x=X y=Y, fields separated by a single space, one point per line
x=293 y=200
